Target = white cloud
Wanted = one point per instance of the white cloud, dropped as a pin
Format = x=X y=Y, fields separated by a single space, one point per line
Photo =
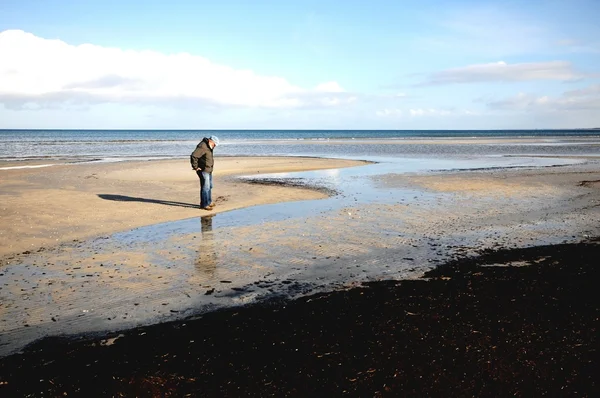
x=389 y=112
x=587 y=99
x=44 y=72
x=503 y=72
x=429 y=112
x=520 y=101
x=422 y=112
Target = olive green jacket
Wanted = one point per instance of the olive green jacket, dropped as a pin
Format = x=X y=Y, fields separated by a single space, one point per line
x=202 y=157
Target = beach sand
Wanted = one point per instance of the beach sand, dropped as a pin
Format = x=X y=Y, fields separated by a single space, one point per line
x=43 y=207
x=516 y=320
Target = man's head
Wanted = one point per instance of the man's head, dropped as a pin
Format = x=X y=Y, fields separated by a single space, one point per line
x=213 y=141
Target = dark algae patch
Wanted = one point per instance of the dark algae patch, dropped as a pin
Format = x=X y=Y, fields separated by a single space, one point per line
x=519 y=322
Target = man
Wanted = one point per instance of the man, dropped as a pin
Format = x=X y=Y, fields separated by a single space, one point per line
x=202 y=162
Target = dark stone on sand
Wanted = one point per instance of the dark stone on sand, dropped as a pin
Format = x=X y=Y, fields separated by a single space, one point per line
x=526 y=328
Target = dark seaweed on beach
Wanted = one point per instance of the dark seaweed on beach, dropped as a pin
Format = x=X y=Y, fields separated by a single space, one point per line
x=291 y=182
x=521 y=322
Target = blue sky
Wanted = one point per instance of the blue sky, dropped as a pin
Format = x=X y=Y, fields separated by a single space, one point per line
x=299 y=64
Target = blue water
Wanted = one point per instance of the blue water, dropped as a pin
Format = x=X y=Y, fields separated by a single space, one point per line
x=126 y=144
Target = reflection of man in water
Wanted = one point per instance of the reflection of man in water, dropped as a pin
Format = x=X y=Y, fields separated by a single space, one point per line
x=207 y=255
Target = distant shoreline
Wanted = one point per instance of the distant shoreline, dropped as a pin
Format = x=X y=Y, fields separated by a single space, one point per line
x=291 y=130
x=109 y=146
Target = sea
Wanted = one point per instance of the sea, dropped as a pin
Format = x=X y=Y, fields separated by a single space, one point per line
x=120 y=145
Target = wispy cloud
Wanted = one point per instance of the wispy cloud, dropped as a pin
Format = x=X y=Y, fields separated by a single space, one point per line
x=49 y=72
x=593 y=90
x=387 y=112
x=487 y=31
x=429 y=112
x=421 y=112
x=503 y=72
x=500 y=31
x=587 y=99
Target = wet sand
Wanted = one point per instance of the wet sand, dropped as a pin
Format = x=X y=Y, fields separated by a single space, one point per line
x=43 y=207
x=521 y=322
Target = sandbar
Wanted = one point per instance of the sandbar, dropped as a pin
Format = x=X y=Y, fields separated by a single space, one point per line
x=47 y=206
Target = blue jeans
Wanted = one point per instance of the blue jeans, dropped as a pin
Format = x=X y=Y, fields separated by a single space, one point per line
x=206 y=184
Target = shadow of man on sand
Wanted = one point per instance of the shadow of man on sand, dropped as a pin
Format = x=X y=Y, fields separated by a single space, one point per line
x=123 y=198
